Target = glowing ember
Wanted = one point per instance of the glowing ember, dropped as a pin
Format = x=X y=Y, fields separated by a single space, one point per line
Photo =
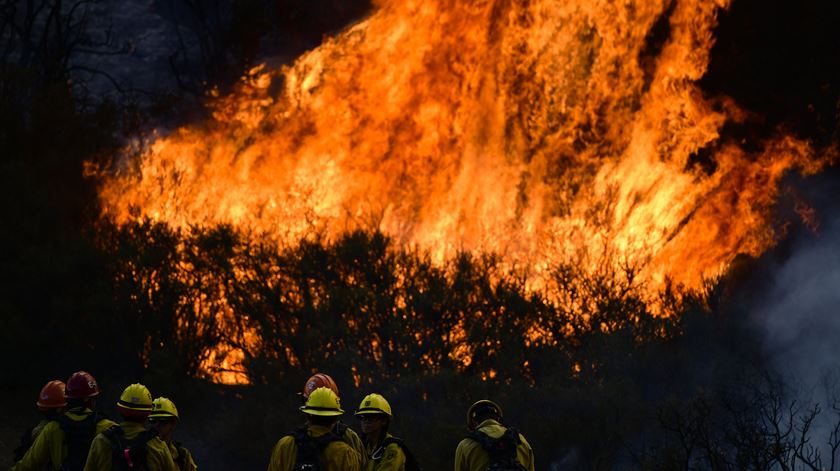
x=540 y=129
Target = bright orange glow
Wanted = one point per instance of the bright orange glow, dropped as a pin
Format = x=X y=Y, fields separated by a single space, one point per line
x=538 y=130
x=462 y=351
x=224 y=366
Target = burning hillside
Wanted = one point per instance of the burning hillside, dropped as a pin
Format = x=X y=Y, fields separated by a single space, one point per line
x=544 y=131
x=540 y=130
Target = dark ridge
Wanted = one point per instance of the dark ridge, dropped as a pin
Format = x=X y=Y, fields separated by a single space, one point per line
x=781 y=59
x=655 y=40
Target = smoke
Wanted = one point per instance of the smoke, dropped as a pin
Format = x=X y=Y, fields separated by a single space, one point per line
x=799 y=316
x=780 y=61
x=797 y=310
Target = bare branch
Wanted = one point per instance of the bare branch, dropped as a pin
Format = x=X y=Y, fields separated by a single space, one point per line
x=102 y=73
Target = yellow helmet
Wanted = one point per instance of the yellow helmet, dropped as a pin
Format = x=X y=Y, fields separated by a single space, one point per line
x=163 y=409
x=323 y=402
x=484 y=404
x=374 y=404
x=135 y=400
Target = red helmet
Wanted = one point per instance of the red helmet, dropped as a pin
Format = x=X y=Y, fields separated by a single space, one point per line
x=51 y=396
x=319 y=380
x=81 y=385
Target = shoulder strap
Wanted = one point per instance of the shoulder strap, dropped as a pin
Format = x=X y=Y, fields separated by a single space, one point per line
x=411 y=463
x=340 y=428
x=514 y=439
x=88 y=424
x=140 y=447
x=393 y=439
x=325 y=440
x=116 y=437
x=114 y=434
x=181 y=461
x=513 y=435
x=503 y=446
x=501 y=450
x=97 y=417
x=299 y=434
x=78 y=435
x=309 y=448
x=129 y=453
x=486 y=441
x=66 y=422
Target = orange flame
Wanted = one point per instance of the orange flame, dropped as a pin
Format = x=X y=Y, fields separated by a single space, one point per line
x=538 y=129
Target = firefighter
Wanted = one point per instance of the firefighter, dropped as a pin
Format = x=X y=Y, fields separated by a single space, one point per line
x=315 y=445
x=164 y=418
x=50 y=404
x=130 y=440
x=384 y=451
x=321 y=380
x=486 y=432
x=63 y=442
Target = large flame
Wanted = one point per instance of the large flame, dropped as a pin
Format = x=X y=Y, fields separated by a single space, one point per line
x=539 y=129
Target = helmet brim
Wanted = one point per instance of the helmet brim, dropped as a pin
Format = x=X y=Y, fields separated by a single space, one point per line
x=162 y=417
x=81 y=396
x=135 y=407
x=322 y=412
x=45 y=406
x=371 y=411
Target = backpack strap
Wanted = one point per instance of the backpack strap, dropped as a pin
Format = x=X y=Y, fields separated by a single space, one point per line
x=181 y=461
x=131 y=452
x=139 y=446
x=69 y=425
x=411 y=463
x=340 y=428
x=486 y=441
x=390 y=440
x=309 y=448
x=300 y=434
x=501 y=448
x=78 y=435
x=513 y=435
x=113 y=432
x=116 y=437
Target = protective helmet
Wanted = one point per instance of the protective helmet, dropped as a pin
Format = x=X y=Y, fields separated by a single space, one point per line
x=163 y=409
x=52 y=396
x=323 y=402
x=374 y=404
x=480 y=406
x=319 y=380
x=81 y=385
x=135 y=401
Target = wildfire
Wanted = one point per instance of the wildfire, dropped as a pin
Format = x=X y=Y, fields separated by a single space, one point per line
x=543 y=130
